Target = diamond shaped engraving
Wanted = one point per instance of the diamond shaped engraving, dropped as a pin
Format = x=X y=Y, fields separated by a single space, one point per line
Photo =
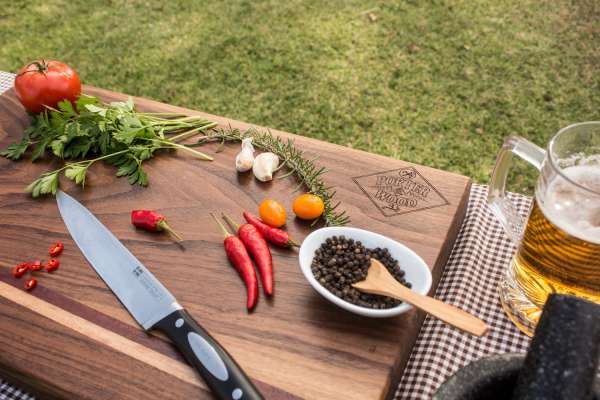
x=400 y=191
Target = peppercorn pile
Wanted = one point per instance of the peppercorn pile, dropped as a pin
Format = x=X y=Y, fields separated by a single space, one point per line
x=340 y=262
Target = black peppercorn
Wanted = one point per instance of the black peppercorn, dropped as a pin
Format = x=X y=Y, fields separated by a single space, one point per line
x=341 y=261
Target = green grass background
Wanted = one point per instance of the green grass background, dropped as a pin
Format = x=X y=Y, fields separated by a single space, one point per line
x=434 y=82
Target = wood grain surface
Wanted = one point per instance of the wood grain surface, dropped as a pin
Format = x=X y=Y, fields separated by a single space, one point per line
x=71 y=338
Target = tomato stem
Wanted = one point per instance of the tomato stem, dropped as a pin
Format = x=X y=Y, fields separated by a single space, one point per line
x=41 y=66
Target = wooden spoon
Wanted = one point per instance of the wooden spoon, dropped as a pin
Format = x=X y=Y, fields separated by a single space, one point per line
x=380 y=281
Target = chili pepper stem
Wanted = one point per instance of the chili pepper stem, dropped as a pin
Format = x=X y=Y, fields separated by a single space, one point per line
x=234 y=225
x=226 y=233
x=162 y=224
x=292 y=243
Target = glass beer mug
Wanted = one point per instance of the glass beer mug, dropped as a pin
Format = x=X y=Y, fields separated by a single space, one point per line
x=558 y=246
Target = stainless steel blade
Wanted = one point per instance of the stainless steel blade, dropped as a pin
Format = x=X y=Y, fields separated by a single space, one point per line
x=141 y=293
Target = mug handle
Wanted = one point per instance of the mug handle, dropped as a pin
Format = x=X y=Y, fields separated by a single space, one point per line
x=512 y=222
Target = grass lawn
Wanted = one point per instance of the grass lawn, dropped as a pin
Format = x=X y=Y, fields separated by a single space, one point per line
x=433 y=82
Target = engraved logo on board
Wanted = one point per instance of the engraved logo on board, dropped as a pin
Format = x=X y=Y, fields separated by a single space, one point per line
x=400 y=191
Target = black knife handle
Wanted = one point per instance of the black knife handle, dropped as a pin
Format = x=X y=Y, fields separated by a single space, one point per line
x=219 y=370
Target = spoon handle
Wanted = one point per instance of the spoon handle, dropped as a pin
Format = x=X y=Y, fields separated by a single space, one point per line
x=445 y=312
x=450 y=314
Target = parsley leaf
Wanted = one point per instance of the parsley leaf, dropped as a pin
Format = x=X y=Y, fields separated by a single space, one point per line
x=128 y=135
x=67 y=108
x=47 y=183
x=15 y=150
x=84 y=100
x=95 y=109
x=76 y=173
x=58 y=146
x=78 y=148
x=40 y=149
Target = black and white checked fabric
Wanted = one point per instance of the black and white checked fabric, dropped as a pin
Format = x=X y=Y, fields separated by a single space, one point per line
x=6 y=81
x=8 y=392
x=470 y=280
x=478 y=260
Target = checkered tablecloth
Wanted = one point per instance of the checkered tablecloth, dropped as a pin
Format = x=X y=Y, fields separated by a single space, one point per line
x=470 y=281
x=478 y=260
x=6 y=81
x=8 y=392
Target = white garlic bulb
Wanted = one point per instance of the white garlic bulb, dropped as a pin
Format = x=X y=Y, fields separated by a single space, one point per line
x=264 y=166
x=245 y=158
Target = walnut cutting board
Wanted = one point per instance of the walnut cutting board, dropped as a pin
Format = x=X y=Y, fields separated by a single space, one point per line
x=72 y=339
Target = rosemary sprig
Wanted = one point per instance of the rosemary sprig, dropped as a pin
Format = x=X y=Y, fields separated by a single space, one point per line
x=305 y=170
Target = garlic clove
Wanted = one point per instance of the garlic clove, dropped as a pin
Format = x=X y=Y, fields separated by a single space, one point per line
x=264 y=166
x=245 y=158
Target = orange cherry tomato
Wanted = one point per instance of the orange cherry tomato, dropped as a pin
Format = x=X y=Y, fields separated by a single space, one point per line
x=308 y=206
x=272 y=213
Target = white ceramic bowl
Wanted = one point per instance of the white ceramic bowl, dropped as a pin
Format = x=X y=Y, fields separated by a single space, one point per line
x=417 y=272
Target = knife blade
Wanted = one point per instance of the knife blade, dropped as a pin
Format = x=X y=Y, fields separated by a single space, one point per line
x=151 y=304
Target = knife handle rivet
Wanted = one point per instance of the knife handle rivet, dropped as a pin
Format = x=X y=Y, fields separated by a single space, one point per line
x=179 y=323
x=237 y=394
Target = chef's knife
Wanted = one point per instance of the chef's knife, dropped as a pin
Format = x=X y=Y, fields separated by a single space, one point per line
x=151 y=304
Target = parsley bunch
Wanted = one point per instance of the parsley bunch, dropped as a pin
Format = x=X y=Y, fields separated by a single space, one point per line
x=114 y=133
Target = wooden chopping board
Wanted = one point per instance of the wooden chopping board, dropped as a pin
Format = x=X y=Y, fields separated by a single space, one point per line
x=71 y=338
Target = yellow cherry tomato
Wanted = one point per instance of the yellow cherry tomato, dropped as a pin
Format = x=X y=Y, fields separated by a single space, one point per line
x=272 y=213
x=308 y=206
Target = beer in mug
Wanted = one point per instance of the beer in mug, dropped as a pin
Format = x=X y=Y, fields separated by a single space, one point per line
x=558 y=246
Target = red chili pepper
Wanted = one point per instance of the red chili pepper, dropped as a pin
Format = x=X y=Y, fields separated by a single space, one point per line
x=273 y=235
x=36 y=266
x=152 y=221
x=52 y=265
x=20 y=270
x=239 y=257
x=257 y=246
x=30 y=283
x=56 y=249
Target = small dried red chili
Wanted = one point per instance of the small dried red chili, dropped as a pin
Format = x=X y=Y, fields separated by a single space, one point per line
x=56 y=249
x=239 y=257
x=36 y=266
x=52 y=265
x=273 y=235
x=257 y=246
x=30 y=283
x=152 y=221
x=20 y=270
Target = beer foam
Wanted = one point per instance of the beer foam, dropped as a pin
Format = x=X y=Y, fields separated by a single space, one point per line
x=572 y=209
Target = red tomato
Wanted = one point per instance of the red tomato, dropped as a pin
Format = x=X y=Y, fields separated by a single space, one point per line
x=46 y=83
